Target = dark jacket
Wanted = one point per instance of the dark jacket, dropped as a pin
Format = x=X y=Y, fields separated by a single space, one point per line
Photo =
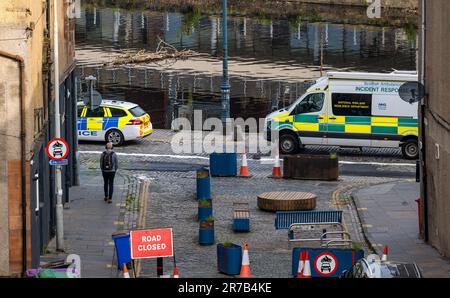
x=115 y=162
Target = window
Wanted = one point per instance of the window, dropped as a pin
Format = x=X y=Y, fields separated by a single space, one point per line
x=313 y=103
x=137 y=111
x=357 y=105
x=95 y=113
x=117 y=113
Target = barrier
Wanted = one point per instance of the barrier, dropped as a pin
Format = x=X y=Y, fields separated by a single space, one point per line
x=327 y=263
x=284 y=219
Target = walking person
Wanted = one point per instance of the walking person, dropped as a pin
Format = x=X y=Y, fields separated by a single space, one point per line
x=108 y=165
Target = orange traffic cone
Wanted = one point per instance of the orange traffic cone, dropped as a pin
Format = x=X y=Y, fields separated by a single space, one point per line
x=125 y=271
x=384 y=258
x=245 y=267
x=276 y=172
x=307 y=266
x=176 y=272
x=301 y=265
x=244 y=168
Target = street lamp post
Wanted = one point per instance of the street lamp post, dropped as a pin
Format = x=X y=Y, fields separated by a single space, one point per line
x=225 y=81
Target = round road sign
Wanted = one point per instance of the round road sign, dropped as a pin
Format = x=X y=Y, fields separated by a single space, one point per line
x=326 y=264
x=57 y=149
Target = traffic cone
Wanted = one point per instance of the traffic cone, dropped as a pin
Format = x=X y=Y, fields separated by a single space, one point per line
x=176 y=272
x=244 y=168
x=245 y=267
x=125 y=271
x=276 y=172
x=301 y=265
x=384 y=258
x=307 y=266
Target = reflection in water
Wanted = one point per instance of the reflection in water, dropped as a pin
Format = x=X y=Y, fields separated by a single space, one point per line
x=289 y=44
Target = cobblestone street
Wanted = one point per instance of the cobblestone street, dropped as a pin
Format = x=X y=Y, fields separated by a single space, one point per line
x=172 y=202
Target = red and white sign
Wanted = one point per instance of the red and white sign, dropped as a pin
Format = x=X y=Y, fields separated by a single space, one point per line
x=147 y=244
x=57 y=149
x=326 y=264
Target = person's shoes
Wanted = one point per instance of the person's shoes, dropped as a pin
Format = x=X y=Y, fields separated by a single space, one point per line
x=109 y=201
x=106 y=199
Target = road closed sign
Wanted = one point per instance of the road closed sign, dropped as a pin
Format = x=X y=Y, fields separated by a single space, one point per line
x=147 y=244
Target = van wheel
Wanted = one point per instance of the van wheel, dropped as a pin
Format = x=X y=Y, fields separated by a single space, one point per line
x=115 y=137
x=289 y=144
x=410 y=149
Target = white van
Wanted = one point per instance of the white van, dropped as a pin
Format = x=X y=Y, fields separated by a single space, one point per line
x=351 y=109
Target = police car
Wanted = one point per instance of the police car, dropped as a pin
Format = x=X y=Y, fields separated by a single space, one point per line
x=114 y=121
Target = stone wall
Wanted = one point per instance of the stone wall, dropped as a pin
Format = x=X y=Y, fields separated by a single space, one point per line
x=435 y=185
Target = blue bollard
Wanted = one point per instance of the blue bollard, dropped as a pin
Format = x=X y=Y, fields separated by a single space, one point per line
x=203 y=184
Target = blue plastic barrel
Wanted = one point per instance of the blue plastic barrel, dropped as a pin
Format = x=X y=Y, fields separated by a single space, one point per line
x=223 y=164
x=203 y=184
x=206 y=236
x=204 y=213
x=123 y=248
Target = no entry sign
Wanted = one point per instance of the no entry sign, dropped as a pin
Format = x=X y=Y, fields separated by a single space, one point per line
x=57 y=149
x=147 y=244
x=326 y=264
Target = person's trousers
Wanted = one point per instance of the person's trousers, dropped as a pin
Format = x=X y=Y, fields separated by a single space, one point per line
x=108 y=179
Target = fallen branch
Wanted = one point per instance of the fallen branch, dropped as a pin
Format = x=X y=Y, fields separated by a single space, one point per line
x=164 y=52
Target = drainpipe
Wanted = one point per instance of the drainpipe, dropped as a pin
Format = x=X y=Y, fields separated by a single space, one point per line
x=423 y=133
x=22 y=91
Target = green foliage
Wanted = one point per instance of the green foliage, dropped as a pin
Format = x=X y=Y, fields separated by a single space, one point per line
x=228 y=244
x=356 y=246
x=204 y=203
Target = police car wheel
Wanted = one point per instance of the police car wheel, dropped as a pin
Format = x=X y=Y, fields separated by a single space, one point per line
x=115 y=137
x=288 y=144
x=410 y=149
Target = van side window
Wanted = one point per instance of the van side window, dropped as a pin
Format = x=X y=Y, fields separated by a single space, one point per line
x=352 y=105
x=313 y=103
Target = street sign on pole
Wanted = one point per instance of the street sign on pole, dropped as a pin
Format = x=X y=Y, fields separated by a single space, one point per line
x=57 y=149
x=63 y=162
x=149 y=244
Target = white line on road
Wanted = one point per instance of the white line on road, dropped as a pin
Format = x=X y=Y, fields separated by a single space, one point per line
x=147 y=155
x=260 y=160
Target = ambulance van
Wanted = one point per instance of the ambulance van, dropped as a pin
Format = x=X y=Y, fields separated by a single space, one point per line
x=351 y=110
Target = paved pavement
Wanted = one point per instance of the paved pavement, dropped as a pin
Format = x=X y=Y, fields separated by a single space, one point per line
x=90 y=222
x=390 y=217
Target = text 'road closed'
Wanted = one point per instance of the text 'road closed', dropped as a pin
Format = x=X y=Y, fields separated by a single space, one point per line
x=151 y=243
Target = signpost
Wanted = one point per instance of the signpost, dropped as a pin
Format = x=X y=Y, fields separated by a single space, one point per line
x=150 y=244
x=57 y=150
